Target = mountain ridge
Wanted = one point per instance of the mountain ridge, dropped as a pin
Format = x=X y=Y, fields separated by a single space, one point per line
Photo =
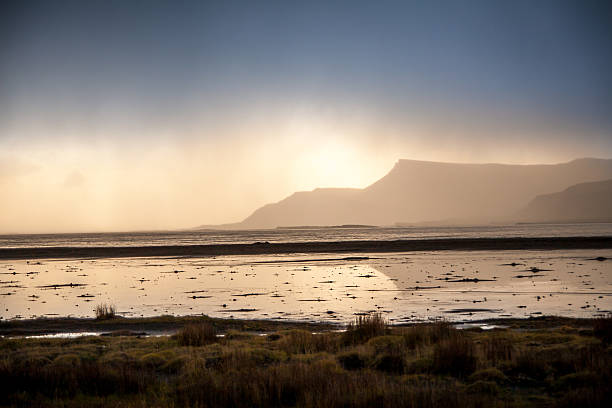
x=416 y=191
x=584 y=202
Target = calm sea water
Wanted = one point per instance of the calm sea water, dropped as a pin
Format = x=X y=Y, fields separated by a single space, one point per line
x=300 y=235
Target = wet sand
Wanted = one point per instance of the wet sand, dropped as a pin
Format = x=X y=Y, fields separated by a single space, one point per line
x=262 y=248
x=406 y=286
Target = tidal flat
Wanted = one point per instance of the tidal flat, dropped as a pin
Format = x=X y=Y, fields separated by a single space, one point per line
x=320 y=288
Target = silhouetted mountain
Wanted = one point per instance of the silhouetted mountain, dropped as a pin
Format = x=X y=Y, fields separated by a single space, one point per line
x=585 y=202
x=419 y=191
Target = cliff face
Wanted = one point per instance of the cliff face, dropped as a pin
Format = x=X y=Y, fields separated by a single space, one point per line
x=417 y=191
x=582 y=202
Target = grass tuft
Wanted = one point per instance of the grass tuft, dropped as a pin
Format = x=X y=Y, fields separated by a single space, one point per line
x=197 y=334
x=365 y=327
x=105 y=311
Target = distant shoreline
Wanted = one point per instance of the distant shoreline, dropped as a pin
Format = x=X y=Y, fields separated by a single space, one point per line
x=264 y=248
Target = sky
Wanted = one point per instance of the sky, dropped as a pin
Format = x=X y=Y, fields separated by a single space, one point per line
x=140 y=115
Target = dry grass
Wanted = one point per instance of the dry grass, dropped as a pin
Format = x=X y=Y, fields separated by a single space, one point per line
x=105 y=311
x=602 y=328
x=498 y=347
x=198 y=334
x=456 y=356
x=426 y=333
x=303 y=342
x=427 y=365
x=321 y=383
x=365 y=327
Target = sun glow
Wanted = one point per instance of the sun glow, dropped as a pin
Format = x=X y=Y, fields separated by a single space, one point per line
x=331 y=165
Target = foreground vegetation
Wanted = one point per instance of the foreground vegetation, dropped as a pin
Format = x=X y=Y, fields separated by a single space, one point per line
x=371 y=364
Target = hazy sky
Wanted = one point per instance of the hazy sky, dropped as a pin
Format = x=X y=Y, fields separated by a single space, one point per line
x=121 y=115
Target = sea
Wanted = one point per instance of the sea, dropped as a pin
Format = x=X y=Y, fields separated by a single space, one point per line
x=307 y=234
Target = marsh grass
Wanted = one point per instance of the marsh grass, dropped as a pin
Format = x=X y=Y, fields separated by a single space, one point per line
x=425 y=365
x=303 y=342
x=455 y=355
x=197 y=334
x=105 y=311
x=602 y=328
x=365 y=327
x=498 y=347
x=425 y=334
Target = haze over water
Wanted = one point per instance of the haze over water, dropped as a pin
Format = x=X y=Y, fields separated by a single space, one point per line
x=300 y=235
